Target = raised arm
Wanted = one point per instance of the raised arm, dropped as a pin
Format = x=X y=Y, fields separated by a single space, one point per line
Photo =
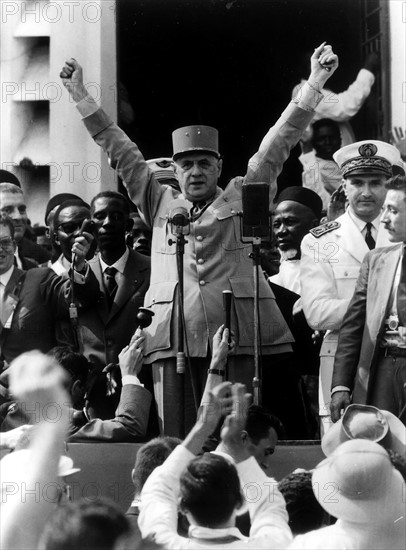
x=124 y=155
x=267 y=163
x=131 y=420
x=35 y=380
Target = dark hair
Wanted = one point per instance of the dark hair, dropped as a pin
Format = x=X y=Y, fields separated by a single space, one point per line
x=75 y=363
x=7 y=222
x=259 y=421
x=210 y=489
x=305 y=512
x=397 y=183
x=150 y=456
x=94 y=525
x=325 y=122
x=111 y=195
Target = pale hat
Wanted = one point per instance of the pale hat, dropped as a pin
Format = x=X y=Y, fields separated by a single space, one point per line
x=195 y=139
x=367 y=156
x=366 y=422
x=14 y=464
x=359 y=484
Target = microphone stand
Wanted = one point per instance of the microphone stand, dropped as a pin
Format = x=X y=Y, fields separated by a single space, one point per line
x=179 y=231
x=257 y=380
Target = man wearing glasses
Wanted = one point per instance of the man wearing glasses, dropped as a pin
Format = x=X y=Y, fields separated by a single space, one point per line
x=67 y=223
x=32 y=301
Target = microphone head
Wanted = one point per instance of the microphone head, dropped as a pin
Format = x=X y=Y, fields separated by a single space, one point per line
x=144 y=317
x=179 y=212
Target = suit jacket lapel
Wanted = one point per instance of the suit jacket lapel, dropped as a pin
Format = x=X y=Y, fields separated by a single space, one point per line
x=9 y=302
x=386 y=276
x=102 y=306
x=128 y=284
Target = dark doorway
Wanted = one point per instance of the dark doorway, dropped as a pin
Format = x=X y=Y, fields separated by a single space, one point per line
x=227 y=63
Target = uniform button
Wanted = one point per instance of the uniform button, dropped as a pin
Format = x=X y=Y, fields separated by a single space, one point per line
x=202 y=283
x=345 y=273
x=109 y=342
x=199 y=238
x=200 y=261
x=232 y=211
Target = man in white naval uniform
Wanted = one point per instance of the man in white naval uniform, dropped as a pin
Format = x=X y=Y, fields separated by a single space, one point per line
x=333 y=252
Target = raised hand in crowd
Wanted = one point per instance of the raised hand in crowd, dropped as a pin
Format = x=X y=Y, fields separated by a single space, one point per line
x=398 y=139
x=234 y=424
x=16 y=438
x=337 y=203
x=131 y=357
x=222 y=347
x=35 y=379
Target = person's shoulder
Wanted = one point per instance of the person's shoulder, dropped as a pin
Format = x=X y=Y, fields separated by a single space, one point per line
x=35 y=251
x=142 y=262
x=40 y=274
x=383 y=252
x=325 y=228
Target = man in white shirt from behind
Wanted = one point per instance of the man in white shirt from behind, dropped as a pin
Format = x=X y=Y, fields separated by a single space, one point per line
x=210 y=487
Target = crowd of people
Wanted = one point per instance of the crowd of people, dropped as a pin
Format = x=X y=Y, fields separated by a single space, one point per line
x=120 y=324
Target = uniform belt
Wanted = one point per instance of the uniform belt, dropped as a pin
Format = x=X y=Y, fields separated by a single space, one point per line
x=394 y=352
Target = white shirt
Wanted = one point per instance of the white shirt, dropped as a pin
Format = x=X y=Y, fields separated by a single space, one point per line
x=159 y=509
x=119 y=265
x=362 y=226
x=4 y=279
x=288 y=276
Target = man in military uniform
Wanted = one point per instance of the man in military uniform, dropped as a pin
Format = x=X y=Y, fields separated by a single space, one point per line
x=333 y=252
x=215 y=258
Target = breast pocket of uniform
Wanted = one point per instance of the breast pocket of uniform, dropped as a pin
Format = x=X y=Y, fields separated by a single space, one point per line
x=161 y=236
x=230 y=225
x=345 y=278
x=273 y=326
x=160 y=299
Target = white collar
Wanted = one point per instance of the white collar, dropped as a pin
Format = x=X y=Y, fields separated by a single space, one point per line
x=5 y=277
x=61 y=266
x=119 y=264
x=360 y=223
x=198 y=532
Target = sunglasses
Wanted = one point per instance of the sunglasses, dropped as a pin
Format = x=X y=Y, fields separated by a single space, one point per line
x=70 y=227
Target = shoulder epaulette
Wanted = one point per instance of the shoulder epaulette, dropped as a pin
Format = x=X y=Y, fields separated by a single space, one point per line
x=324 y=228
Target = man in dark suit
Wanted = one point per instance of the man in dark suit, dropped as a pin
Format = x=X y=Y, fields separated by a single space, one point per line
x=370 y=363
x=107 y=328
x=131 y=417
x=28 y=254
x=31 y=301
x=123 y=277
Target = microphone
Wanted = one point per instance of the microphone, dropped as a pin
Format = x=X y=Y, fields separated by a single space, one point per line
x=227 y=297
x=255 y=211
x=87 y=226
x=179 y=217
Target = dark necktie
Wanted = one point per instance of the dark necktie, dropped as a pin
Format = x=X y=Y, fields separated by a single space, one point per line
x=401 y=294
x=111 y=285
x=368 y=236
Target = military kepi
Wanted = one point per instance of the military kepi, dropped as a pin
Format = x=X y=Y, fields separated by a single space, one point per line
x=195 y=139
x=367 y=156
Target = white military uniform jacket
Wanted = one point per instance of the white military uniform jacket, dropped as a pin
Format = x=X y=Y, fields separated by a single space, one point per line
x=330 y=263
